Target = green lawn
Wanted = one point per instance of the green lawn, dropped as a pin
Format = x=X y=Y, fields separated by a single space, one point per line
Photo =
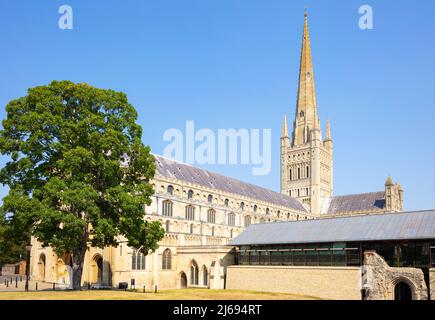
x=180 y=294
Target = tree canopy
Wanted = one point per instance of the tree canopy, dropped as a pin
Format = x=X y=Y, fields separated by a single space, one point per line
x=78 y=173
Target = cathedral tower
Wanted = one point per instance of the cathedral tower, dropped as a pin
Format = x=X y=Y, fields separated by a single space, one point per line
x=306 y=159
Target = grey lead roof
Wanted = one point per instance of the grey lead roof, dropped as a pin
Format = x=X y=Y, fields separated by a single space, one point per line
x=391 y=226
x=181 y=171
x=372 y=202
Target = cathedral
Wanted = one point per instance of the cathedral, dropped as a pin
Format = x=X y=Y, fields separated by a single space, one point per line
x=307 y=158
x=202 y=211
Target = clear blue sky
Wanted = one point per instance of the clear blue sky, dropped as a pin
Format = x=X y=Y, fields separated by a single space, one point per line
x=234 y=64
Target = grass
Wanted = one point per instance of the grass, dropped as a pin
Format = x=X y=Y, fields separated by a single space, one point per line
x=179 y=294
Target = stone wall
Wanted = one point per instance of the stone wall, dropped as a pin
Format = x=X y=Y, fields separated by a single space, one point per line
x=214 y=259
x=379 y=279
x=432 y=283
x=14 y=269
x=342 y=283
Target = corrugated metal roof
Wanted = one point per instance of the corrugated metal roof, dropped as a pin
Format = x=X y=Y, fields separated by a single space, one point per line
x=371 y=202
x=181 y=171
x=391 y=226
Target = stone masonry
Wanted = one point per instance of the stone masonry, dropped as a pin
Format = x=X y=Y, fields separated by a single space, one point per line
x=379 y=279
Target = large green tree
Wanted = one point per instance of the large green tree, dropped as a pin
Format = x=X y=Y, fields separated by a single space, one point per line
x=78 y=173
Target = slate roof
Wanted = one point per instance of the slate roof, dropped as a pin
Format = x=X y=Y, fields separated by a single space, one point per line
x=185 y=172
x=370 y=202
x=391 y=226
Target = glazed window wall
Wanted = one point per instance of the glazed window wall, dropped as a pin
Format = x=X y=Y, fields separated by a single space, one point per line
x=416 y=254
x=325 y=254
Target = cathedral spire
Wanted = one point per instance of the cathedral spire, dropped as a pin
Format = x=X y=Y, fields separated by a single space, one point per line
x=306 y=106
x=306 y=160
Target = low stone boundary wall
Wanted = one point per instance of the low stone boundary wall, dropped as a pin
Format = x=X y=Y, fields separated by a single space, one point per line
x=341 y=283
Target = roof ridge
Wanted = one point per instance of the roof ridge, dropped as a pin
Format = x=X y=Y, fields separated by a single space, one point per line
x=356 y=194
x=368 y=214
x=171 y=159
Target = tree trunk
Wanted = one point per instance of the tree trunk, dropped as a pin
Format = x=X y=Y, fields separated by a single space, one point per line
x=78 y=259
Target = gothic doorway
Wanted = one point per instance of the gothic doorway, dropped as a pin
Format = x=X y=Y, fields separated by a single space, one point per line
x=183 y=280
x=100 y=270
x=41 y=267
x=97 y=270
x=64 y=269
x=402 y=291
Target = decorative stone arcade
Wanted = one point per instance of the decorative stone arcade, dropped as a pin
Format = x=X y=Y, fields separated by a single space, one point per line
x=382 y=282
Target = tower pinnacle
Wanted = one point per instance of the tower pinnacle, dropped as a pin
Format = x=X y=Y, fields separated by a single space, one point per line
x=284 y=127
x=328 y=131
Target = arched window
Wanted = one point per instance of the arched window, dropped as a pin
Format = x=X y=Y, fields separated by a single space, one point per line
x=204 y=276
x=255 y=208
x=308 y=172
x=212 y=231
x=166 y=260
x=242 y=205
x=137 y=260
x=291 y=177
x=226 y=202
x=211 y=216
x=231 y=219
x=190 y=194
x=167 y=208
x=247 y=221
x=133 y=260
x=190 y=213
x=194 y=273
x=267 y=211
x=231 y=233
x=170 y=189
x=210 y=198
x=191 y=228
x=278 y=213
x=167 y=225
x=299 y=173
x=143 y=259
